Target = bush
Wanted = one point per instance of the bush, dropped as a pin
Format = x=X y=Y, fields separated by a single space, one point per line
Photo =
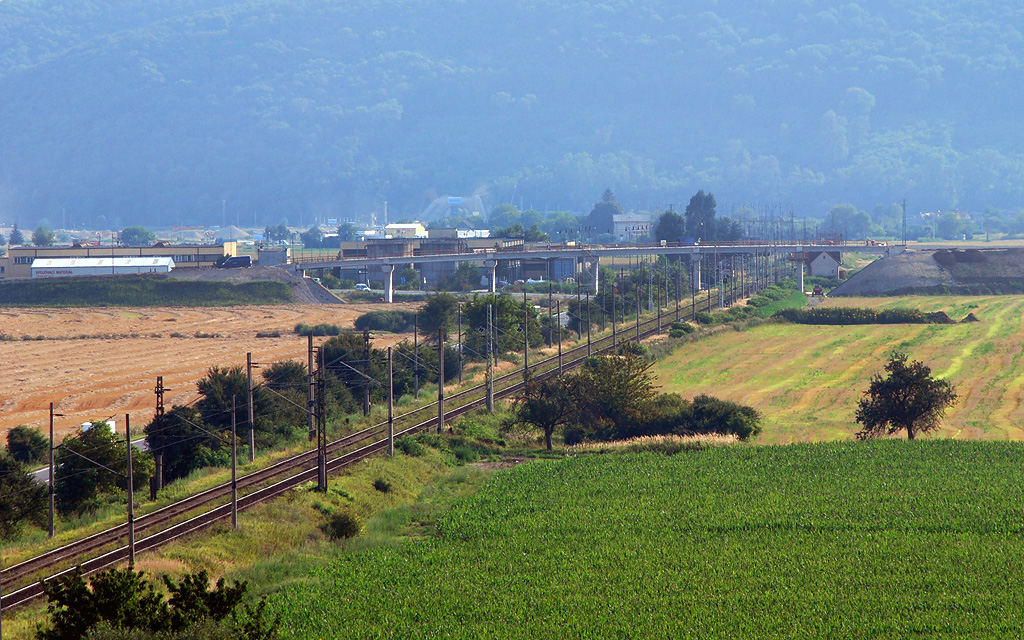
x=410 y=447
x=322 y=329
x=330 y=281
x=708 y=414
x=342 y=525
x=27 y=445
x=382 y=485
x=703 y=317
x=393 y=321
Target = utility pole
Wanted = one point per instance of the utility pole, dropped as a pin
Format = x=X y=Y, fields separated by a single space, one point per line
x=234 y=465
x=558 y=311
x=415 y=356
x=588 y=324
x=252 y=416
x=526 y=341
x=905 y=222
x=321 y=423
x=309 y=369
x=460 y=341
x=52 y=414
x=131 y=493
x=639 y=279
x=391 y=406
x=490 y=365
x=579 y=316
x=366 y=370
x=615 y=290
x=440 y=379
x=157 y=482
x=550 y=336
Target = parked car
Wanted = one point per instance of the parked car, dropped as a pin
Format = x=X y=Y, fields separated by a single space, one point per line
x=503 y=283
x=235 y=262
x=362 y=287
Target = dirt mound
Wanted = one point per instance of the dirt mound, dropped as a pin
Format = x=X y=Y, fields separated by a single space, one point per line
x=939 y=317
x=943 y=271
x=970 y=317
x=304 y=290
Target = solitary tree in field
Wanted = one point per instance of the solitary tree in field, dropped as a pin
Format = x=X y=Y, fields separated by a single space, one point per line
x=909 y=398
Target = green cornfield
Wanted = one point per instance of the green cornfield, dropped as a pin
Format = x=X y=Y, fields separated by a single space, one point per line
x=880 y=539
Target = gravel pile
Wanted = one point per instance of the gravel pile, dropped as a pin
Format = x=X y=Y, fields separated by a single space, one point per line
x=957 y=271
x=304 y=290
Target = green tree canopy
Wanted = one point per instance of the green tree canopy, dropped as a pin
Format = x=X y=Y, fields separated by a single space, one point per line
x=348 y=232
x=17 y=237
x=92 y=464
x=700 y=216
x=439 y=312
x=42 y=237
x=601 y=216
x=22 y=498
x=136 y=236
x=670 y=227
x=907 y=399
x=27 y=445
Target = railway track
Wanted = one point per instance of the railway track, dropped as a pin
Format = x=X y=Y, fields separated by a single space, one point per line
x=162 y=526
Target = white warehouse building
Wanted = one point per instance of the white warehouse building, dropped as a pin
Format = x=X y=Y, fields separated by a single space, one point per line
x=63 y=267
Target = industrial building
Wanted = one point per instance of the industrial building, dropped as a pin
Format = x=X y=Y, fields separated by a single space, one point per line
x=65 y=267
x=19 y=260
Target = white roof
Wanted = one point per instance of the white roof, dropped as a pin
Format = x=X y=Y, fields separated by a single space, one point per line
x=404 y=225
x=68 y=263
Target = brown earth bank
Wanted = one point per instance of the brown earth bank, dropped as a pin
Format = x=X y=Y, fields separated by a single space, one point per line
x=943 y=271
x=94 y=363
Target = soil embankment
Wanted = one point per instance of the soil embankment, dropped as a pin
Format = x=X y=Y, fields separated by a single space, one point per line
x=942 y=271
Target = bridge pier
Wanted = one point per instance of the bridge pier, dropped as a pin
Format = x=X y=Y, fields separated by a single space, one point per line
x=389 y=282
x=492 y=278
x=695 y=260
x=800 y=278
x=596 y=266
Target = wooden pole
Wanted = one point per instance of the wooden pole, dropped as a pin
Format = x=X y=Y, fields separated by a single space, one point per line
x=51 y=470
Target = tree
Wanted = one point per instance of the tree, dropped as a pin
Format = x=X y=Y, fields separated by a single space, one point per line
x=27 y=445
x=700 y=216
x=439 y=312
x=22 y=498
x=136 y=236
x=670 y=227
x=312 y=237
x=181 y=436
x=3 y=239
x=612 y=393
x=42 y=237
x=348 y=232
x=548 y=405
x=908 y=398
x=17 y=237
x=93 y=463
x=276 y=234
x=601 y=216
x=507 y=317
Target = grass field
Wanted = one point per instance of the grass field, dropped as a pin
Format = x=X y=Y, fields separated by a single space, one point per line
x=806 y=380
x=870 y=540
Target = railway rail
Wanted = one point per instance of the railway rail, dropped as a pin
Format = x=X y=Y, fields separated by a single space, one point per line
x=104 y=549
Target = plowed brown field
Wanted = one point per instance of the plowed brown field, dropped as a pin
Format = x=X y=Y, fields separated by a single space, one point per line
x=104 y=372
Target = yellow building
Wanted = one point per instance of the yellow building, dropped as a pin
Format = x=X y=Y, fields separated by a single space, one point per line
x=18 y=262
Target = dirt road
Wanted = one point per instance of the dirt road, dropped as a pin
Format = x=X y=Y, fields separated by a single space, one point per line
x=95 y=363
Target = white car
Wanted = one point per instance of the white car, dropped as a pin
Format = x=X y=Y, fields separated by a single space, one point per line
x=362 y=287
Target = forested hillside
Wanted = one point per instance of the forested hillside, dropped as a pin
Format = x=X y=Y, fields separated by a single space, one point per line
x=164 y=112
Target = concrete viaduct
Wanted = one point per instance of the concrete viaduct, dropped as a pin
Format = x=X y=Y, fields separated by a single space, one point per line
x=589 y=253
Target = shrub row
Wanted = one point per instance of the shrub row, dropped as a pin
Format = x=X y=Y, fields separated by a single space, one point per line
x=393 y=321
x=322 y=329
x=857 y=315
x=139 y=291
